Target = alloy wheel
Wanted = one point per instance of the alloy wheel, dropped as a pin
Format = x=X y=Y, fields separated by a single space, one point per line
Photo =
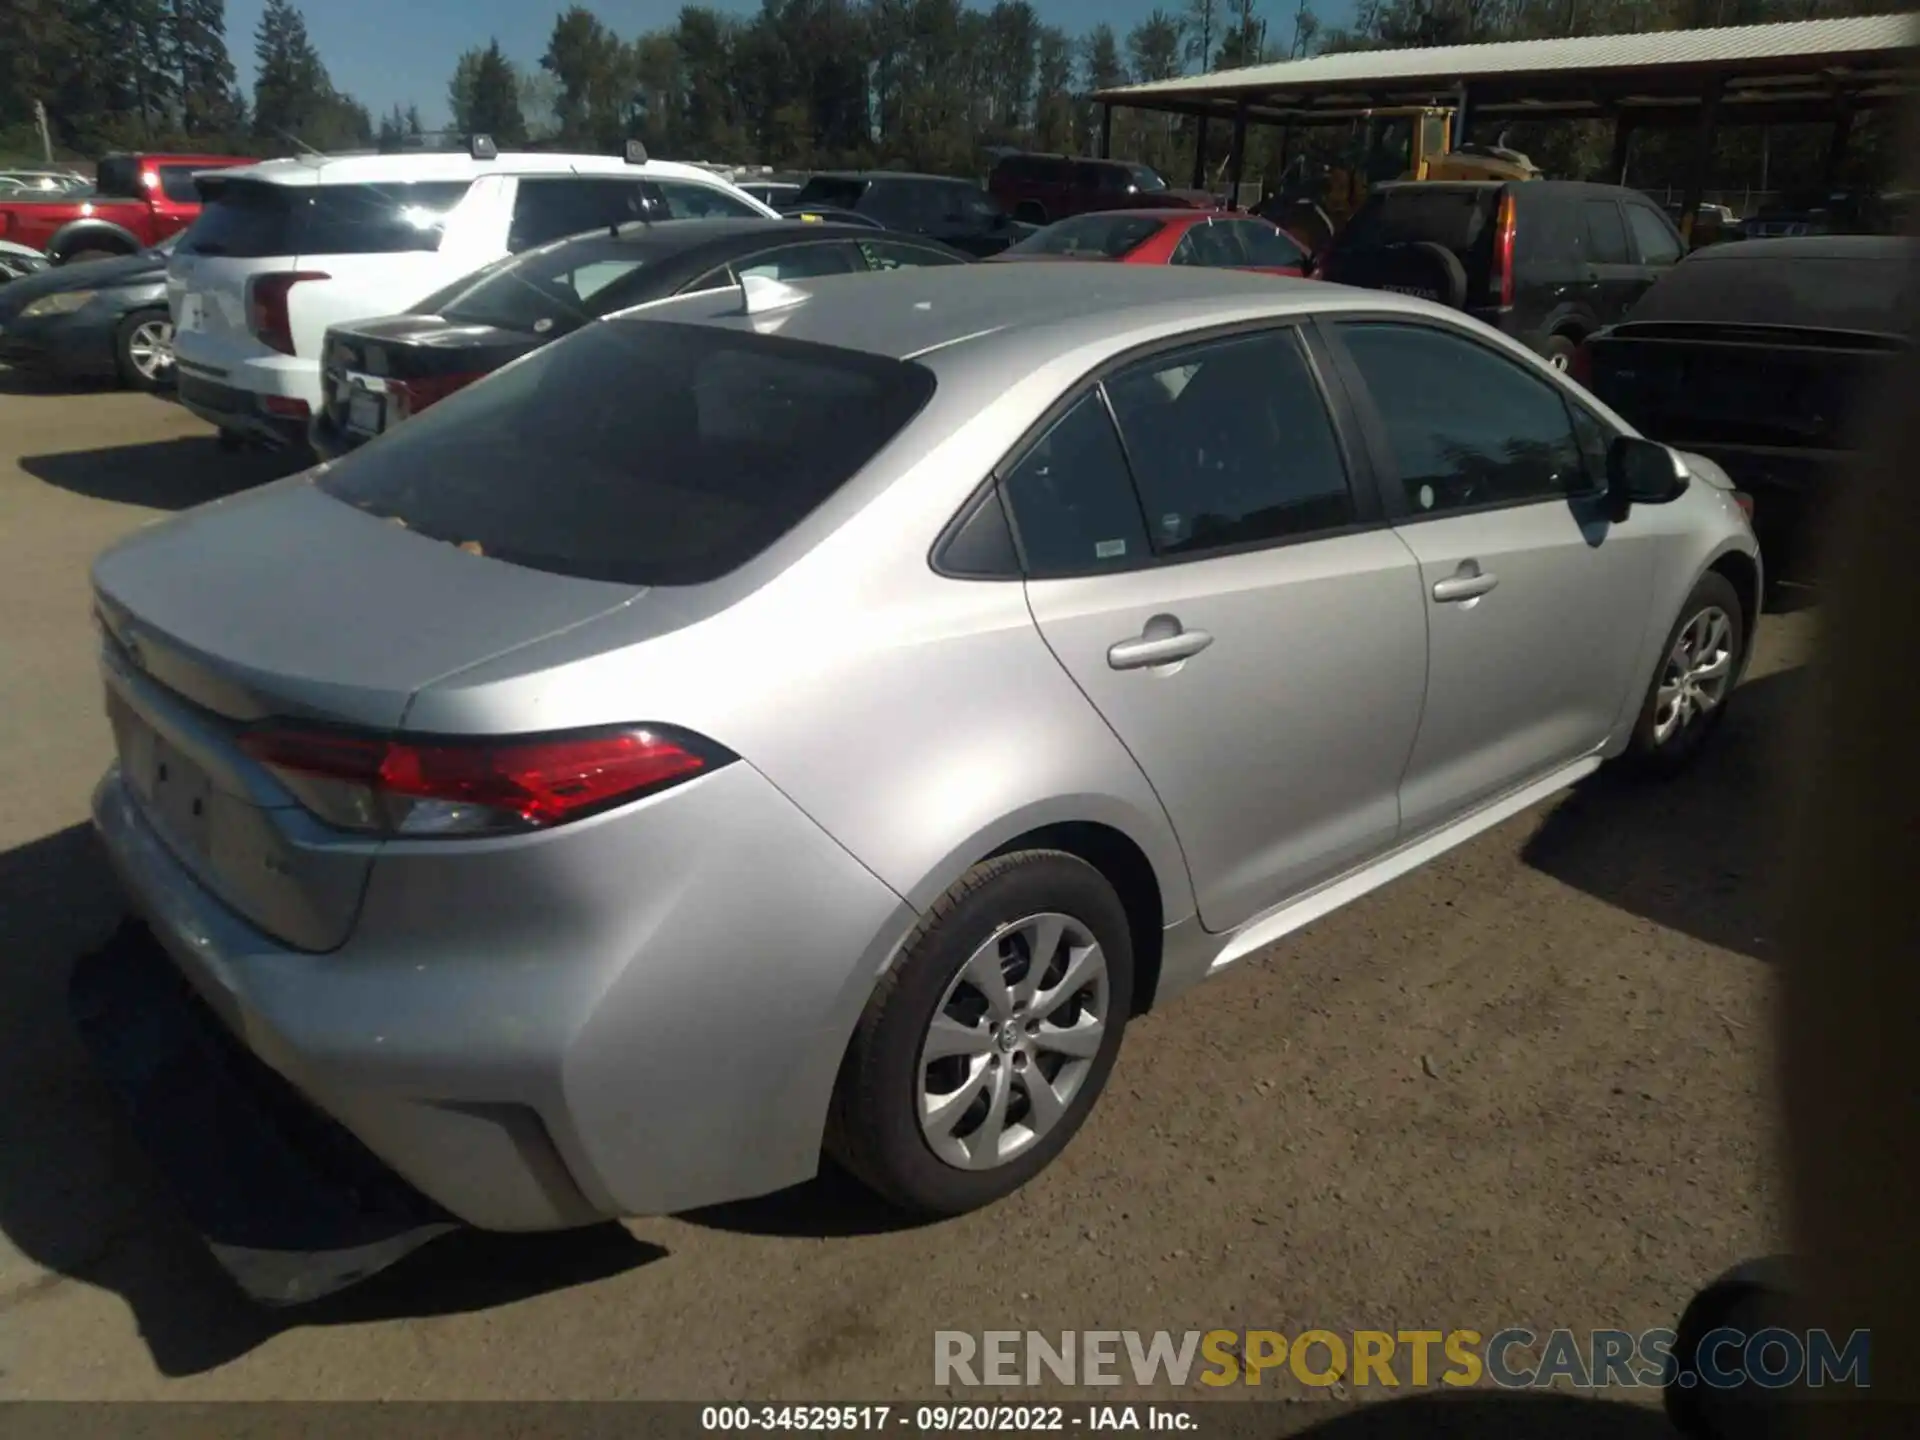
x=1697 y=673
x=150 y=348
x=1012 y=1041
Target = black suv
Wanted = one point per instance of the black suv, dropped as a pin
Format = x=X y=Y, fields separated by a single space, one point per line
x=954 y=212
x=1546 y=261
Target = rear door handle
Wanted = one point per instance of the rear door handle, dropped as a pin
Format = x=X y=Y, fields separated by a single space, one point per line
x=1470 y=583
x=1158 y=646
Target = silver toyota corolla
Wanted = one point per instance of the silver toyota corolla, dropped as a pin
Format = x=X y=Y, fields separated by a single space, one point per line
x=814 y=717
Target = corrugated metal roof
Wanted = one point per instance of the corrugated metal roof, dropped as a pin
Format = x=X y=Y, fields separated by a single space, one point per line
x=1733 y=46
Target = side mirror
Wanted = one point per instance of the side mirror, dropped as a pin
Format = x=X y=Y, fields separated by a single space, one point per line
x=1642 y=472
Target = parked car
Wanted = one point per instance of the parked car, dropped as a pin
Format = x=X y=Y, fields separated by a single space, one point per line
x=954 y=212
x=135 y=202
x=830 y=214
x=823 y=714
x=1545 y=261
x=380 y=372
x=1043 y=188
x=41 y=183
x=777 y=193
x=289 y=248
x=98 y=319
x=1764 y=356
x=1219 y=238
x=19 y=260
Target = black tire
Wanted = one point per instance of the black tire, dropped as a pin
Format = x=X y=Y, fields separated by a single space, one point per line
x=128 y=335
x=1648 y=751
x=874 y=1131
x=1559 y=351
x=1030 y=212
x=1749 y=1299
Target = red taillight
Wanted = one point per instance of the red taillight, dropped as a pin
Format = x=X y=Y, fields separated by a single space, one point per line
x=1503 y=251
x=475 y=787
x=410 y=397
x=288 y=407
x=1745 y=502
x=267 y=306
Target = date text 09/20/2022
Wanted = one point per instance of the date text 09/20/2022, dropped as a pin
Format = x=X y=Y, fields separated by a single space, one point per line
x=946 y=1419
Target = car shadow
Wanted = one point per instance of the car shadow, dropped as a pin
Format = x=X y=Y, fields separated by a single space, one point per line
x=832 y=1204
x=80 y=1201
x=1704 y=852
x=163 y=474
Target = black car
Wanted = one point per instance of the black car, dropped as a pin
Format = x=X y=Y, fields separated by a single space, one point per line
x=379 y=372
x=1547 y=262
x=954 y=212
x=1764 y=356
x=97 y=320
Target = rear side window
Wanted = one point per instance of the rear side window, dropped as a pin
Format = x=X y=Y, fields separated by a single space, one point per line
x=552 y=209
x=1109 y=235
x=1606 y=236
x=250 y=219
x=1266 y=246
x=550 y=292
x=1209 y=244
x=118 y=177
x=690 y=200
x=176 y=183
x=1072 y=498
x=898 y=255
x=637 y=452
x=842 y=192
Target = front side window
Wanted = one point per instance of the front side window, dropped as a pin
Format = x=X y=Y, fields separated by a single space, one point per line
x=690 y=200
x=1467 y=428
x=547 y=209
x=639 y=452
x=1208 y=244
x=1231 y=444
x=1072 y=499
x=1658 y=244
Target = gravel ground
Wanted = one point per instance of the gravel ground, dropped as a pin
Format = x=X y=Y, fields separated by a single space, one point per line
x=1528 y=1085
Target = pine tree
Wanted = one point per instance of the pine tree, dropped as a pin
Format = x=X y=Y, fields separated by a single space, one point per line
x=495 y=107
x=291 y=92
x=209 y=102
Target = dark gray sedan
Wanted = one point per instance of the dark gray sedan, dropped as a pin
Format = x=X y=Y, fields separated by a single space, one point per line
x=98 y=320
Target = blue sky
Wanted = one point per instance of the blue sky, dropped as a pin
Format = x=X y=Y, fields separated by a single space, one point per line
x=388 y=52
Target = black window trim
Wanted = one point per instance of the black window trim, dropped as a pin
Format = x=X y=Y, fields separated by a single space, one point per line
x=1363 y=486
x=1371 y=427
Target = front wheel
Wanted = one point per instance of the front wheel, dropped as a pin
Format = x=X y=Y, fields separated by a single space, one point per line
x=985 y=1047
x=1694 y=679
x=143 y=349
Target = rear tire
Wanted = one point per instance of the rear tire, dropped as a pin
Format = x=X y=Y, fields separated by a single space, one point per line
x=143 y=350
x=1559 y=351
x=1022 y=923
x=1693 y=680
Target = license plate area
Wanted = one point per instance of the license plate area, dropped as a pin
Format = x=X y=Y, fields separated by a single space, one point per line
x=175 y=792
x=191 y=317
x=366 y=412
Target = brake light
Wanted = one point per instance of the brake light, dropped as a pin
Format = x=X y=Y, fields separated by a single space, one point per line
x=1503 y=251
x=410 y=397
x=1745 y=502
x=267 y=306
x=458 y=787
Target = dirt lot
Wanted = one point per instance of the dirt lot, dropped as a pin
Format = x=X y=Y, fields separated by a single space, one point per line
x=1528 y=1085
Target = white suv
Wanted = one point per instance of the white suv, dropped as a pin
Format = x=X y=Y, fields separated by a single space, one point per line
x=284 y=249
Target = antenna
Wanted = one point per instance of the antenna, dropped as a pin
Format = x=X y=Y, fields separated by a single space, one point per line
x=761 y=293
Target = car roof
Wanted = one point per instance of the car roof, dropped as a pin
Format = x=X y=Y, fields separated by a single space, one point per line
x=456 y=165
x=884 y=175
x=1000 y=318
x=1812 y=247
x=680 y=237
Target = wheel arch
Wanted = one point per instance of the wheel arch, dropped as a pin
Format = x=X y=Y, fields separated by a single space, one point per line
x=91 y=234
x=1742 y=571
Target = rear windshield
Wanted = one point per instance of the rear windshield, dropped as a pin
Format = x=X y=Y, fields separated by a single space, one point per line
x=1145 y=179
x=840 y=191
x=637 y=451
x=1101 y=236
x=1455 y=218
x=176 y=183
x=549 y=291
x=1863 y=294
x=251 y=219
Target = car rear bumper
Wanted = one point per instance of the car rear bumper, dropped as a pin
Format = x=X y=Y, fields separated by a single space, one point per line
x=240 y=411
x=533 y=1041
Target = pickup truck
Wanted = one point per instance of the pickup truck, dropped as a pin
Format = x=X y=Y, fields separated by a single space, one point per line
x=1765 y=356
x=136 y=201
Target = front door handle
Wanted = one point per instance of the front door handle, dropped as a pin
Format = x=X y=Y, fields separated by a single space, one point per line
x=1163 y=642
x=1469 y=582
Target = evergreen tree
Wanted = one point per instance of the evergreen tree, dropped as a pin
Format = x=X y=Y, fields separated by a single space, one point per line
x=291 y=94
x=197 y=53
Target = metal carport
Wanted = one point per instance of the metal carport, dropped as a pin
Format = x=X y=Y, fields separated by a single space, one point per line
x=1795 y=71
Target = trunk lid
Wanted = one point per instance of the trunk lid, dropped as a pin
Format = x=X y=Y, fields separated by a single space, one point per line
x=363 y=359
x=299 y=606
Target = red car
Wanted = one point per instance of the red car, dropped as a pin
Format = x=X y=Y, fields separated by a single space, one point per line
x=136 y=202
x=1227 y=239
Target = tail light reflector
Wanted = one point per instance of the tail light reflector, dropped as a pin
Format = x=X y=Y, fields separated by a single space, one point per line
x=454 y=787
x=267 y=306
x=1503 y=251
x=410 y=397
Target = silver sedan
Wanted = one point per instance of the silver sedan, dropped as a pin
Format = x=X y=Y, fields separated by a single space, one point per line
x=816 y=717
